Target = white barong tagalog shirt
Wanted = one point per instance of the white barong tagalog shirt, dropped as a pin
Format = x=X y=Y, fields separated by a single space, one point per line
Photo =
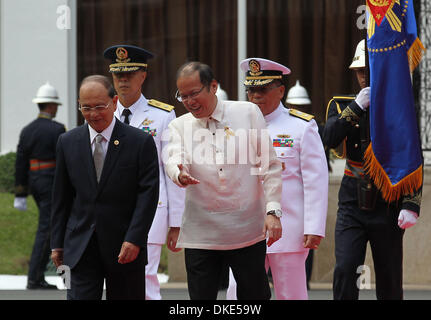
x=231 y=154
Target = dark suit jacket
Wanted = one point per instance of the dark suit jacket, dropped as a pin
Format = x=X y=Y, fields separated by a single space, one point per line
x=119 y=208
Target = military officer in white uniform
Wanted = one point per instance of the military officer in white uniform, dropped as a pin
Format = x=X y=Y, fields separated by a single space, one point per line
x=305 y=178
x=128 y=68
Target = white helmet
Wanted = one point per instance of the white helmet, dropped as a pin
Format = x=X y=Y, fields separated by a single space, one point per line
x=298 y=95
x=221 y=94
x=47 y=94
x=359 y=58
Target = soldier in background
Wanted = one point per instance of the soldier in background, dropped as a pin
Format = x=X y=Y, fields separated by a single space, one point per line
x=297 y=98
x=129 y=72
x=304 y=201
x=363 y=216
x=34 y=173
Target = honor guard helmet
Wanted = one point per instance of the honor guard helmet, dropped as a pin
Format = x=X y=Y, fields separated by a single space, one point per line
x=298 y=95
x=260 y=72
x=126 y=58
x=47 y=94
x=221 y=94
x=359 y=58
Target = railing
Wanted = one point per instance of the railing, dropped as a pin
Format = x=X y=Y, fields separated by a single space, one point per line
x=424 y=100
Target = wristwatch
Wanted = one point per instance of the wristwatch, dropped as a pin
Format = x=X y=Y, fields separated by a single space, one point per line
x=277 y=213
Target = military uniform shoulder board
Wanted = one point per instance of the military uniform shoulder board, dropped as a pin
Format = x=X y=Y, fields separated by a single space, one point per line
x=160 y=105
x=301 y=115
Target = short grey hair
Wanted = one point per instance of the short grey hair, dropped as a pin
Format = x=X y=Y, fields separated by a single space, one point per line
x=104 y=81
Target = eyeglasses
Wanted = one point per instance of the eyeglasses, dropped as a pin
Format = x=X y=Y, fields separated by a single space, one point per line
x=261 y=90
x=85 y=109
x=183 y=97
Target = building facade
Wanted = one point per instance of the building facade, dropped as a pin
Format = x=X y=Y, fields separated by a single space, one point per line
x=62 y=41
x=37 y=44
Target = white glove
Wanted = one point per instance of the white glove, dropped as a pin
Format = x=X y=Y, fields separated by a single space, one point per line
x=20 y=203
x=407 y=219
x=363 y=98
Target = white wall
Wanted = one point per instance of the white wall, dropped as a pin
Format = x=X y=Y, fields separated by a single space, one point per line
x=34 y=49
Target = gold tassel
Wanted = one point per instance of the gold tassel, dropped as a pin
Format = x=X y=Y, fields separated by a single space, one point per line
x=415 y=54
x=390 y=192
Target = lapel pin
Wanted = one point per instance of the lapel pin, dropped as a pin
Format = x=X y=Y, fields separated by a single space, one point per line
x=229 y=132
x=116 y=142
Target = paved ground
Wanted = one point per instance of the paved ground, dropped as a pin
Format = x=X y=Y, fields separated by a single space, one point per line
x=179 y=292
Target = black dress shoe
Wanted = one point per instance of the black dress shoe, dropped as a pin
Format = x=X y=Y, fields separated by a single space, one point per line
x=40 y=285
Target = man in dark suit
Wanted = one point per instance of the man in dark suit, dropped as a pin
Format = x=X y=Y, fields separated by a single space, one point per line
x=105 y=196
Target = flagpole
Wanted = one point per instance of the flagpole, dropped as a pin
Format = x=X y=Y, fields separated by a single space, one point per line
x=242 y=46
x=367 y=84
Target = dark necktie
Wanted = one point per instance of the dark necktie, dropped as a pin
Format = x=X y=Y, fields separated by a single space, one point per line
x=126 y=114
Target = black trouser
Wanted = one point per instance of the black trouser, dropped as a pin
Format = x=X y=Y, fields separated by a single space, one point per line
x=309 y=266
x=88 y=276
x=247 y=264
x=354 y=228
x=41 y=189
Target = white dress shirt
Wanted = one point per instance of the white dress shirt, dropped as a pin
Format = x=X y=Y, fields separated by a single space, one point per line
x=133 y=109
x=107 y=133
x=227 y=209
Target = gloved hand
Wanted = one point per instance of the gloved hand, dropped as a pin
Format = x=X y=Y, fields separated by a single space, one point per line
x=363 y=98
x=407 y=219
x=20 y=203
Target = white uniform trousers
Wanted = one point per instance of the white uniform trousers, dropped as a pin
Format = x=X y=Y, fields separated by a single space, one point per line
x=288 y=274
x=152 y=285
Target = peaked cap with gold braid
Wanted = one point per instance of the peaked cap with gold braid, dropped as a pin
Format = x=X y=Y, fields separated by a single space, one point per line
x=126 y=58
x=260 y=72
